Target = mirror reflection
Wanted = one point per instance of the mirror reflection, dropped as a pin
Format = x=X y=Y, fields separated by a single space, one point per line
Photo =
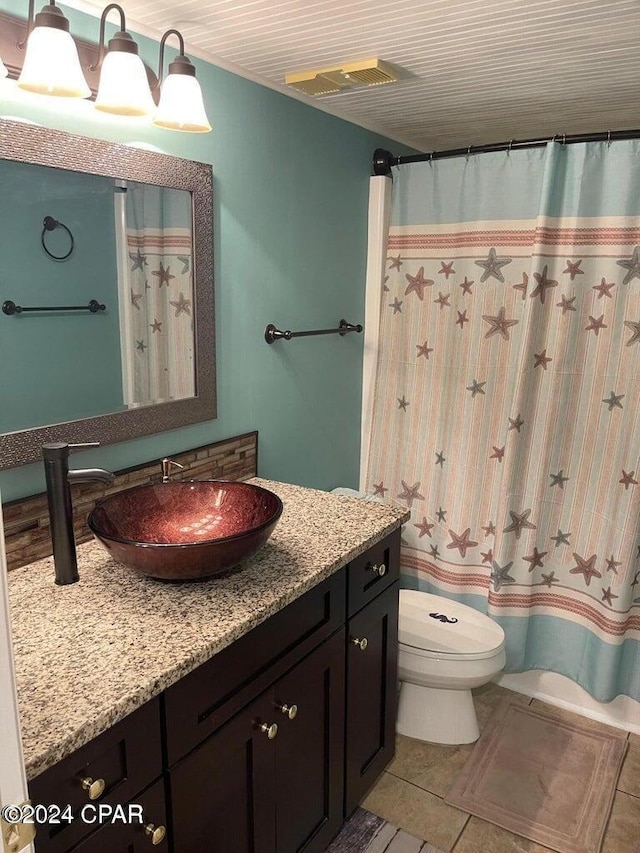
x=129 y=245
x=133 y=231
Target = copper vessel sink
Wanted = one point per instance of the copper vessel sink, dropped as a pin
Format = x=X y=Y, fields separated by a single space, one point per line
x=188 y=530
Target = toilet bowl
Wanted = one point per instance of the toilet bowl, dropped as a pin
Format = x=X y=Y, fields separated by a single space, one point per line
x=444 y=650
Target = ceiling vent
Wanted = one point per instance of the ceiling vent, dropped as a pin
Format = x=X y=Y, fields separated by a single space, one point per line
x=348 y=75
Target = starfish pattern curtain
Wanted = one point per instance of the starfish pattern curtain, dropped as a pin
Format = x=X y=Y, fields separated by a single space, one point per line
x=506 y=411
x=156 y=293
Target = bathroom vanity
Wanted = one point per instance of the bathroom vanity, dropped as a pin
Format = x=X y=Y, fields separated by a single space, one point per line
x=247 y=713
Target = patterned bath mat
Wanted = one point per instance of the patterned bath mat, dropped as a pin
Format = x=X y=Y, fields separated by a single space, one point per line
x=544 y=778
x=367 y=833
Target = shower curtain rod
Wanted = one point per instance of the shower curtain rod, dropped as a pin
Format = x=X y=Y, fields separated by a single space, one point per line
x=383 y=160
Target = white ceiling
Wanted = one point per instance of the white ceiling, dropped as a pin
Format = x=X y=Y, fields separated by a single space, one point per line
x=475 y=71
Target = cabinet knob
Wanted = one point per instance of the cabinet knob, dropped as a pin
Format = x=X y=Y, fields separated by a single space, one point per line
x=289 y=710
x=360 y=643
x=94 y=787
x=12 y=839
x=270 y=730
x=378 y=570
x=157 y=834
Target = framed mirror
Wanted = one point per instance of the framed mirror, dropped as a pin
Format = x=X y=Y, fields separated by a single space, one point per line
x=107 y=327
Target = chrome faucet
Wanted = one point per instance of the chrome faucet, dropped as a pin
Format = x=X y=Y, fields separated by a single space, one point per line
x=167 y=464
x=58 y=477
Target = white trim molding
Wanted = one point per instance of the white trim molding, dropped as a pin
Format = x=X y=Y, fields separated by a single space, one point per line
x=13 y=782
x=378 y=229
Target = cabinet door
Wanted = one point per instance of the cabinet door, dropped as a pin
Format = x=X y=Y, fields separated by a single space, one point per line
x=310 y=750
x=372 y=663
x=222 y=794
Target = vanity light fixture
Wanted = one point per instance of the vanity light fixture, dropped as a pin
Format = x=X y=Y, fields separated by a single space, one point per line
x=124 y=86
x=181 y=104
x=51 y=63
x=42 y=55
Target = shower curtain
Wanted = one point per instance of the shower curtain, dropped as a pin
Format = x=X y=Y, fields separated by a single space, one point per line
x=153 y=228
x=506 y=410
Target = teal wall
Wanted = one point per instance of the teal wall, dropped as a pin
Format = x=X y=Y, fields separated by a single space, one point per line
x=40 y=352
x=290 y=219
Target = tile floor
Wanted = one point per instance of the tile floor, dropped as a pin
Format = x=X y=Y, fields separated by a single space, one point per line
x=410 y=794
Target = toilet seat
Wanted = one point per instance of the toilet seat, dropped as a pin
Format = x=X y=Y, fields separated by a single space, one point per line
x=437 y=627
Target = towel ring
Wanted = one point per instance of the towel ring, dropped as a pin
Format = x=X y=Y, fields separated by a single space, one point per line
x=50 y=224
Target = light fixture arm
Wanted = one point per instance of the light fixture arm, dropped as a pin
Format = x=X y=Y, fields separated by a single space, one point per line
x=181 y=64
x=53 y=18
x=162 y=44
x=21 y=44
x=103 y=20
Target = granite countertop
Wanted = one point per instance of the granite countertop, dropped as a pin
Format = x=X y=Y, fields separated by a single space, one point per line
x=88 y=654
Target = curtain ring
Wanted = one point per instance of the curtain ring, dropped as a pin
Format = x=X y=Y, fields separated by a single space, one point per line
x=50 y=224
x=608 y=139
x=469 y=152
x=431 y=159
x=564 y=138
x=509 y=147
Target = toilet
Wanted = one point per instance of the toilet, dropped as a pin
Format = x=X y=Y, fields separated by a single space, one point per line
x=444 y=650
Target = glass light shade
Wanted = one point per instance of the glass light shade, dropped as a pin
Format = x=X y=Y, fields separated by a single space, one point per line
x=51 y=65
x=124 y=87
x=181 y=105
x=3 y=69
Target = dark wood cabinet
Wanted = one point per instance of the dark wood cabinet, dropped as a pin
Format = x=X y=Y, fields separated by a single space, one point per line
x=110 y=770
x=212 y=694
x=222 y=794
x=134 y=837
x=372 y=572
x=309 y=776
x=270 y=780
x=372 y=664
x=266 y=747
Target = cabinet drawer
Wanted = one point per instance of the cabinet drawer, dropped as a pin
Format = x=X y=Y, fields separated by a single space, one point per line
x=206 y=698
x=374 y=571
x=134 y=837
x=127 y=757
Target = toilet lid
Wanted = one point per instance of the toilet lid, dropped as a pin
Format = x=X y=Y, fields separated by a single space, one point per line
x=438 y=624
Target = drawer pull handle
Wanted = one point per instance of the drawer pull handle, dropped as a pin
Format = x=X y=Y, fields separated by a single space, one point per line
x=95 y=788
x=289 y=710
x=380 y=570
x=157 y=834
x=270 y=730
x=360 y=643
